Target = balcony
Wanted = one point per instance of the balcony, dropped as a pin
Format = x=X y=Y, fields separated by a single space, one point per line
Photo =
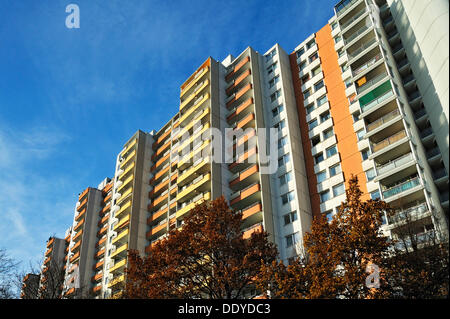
x=367 y=65
x=82 y=205
x=384 y=119
x=123 y=207
x=376 y=102
x=120 y=236
x=126 y=160
x=194 y=79
x=388 y=141
x=194 y=93
x=236 y=96
x=238 y=179
x=357 y=33
x=129 y=147
x=251 y=210
x=194 y=187
x=245 y=195
x=123 y=222
x=118 y=265
x=370 y=83
x=360 y=49
x=402 y=187
x=247 y=233
x=236 y=68
x=187 y=206
x=199 y=165
x=121 y=249
x=197 y=104
x=116 y=280
x=398 y=162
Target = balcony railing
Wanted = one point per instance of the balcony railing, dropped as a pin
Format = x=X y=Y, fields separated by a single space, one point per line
x=395 y=163
x=433 y=152
x=386 y=118
x=367 y=64
x=426 y=132
x=409 y=213
x=377 y=101
x=402 y=187
x=356 y=34
x=439 y=173
x=343 y=6
x=362 y=48
x=355 y=17
x=371 y=82
x=388 y=141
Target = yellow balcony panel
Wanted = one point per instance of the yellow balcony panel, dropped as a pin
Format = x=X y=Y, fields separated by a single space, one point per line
x=125 y=182
x=122 y=248
x=129 y=147
x=189 y=126
x=122 y=221
x=127 y=169
x=191 y=171
x=187 y=208
x=124 y=195
x=193 y=187
x=127 y=160
x=124 y=207
x=188 y=158
x=194 y=80
x=195 y=136
x=117 y=295
x=193 y=94
x=118 y=265
x=115 y=281
x=194 y=108
x=120 y=236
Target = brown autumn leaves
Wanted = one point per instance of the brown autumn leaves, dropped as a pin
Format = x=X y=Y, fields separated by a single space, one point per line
x=209 y=258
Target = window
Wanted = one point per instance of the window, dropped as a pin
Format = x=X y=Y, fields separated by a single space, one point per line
x=283 y=160
x=318 y=158
x=281 y=125
x=302 y=66
x=321 y=176
x=334 y=25
x=365 y=154
x=341 y=53
x=360 y=134
x=324 y=196
x=307 y=94
x=285 y=178
x=375 y=194
x=310 y=44
x=338 y=189
x=344 y=68
x=312 y=124
x=274 y=81
x=315 y=140
x=300 y=52
x=324 y=116
x=328 y=133
x=356 y=116
x=309 y=108
x=337 y=39
x=306 y=78
x=318 y=85
x=292 y=239
x=271 y=54
x=331 y=151
x=275 y=95
x=290 y=218
x=316 y=71
x=313 y=57
x=277 y=110
x=370 y=174
x=348 y=82
x=282 y=142
x=322 y=100
x=272 y=68
x=335 y=169
x=286 y=198
x=329 y=215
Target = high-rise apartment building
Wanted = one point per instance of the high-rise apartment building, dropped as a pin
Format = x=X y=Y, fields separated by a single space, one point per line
x=358 y=97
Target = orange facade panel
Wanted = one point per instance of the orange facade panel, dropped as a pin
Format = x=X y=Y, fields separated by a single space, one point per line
x=248 y=233
x=351 y=162
x=237 y=68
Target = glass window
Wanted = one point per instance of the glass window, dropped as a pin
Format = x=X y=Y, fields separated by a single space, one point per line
x=292 y=239
x=318 y=85
x=365 y=154
x=338 y=189
x=275 y=96
x=324 y=116
x=274 y=81
x=312 y=124
x=315 y=140
x=316 y=70
x=310 y=108
x=324 y=196
x=282 y=142
x=286 y=198
x=290 y=218
x=356 y=116
x=307 y=94
x=321 y=176
x=313 y=57
x=329 y=214
x=335 y=169
x=310 y=43
x=285 y=178
x=328 y=133
x=322 y=100
x=300 y=52
x=334 y=25
x=302 y=66
x=318 y=158
x=370 y=174
x=360 y=134
x=337 y=39
x=375 y=194
x=331 y=151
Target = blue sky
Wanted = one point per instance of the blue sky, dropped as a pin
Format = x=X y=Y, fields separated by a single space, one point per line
x=70 y=98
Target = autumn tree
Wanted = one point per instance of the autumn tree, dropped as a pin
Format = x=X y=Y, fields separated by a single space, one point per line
x=207 y=258
x=337 y=254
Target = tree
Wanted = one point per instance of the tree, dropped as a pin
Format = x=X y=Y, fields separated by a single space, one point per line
x=337 y=254
x=7 y=269
x=419 y=265
x=207 y=258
